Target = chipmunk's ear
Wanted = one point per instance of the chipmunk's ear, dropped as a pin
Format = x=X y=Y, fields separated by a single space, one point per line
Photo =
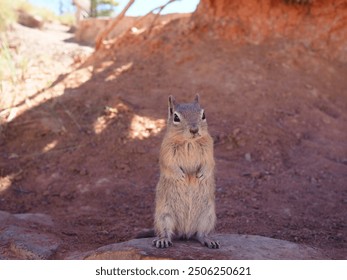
x=172 y=104
x=197 y=98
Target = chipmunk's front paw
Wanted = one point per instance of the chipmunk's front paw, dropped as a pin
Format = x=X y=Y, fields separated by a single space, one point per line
x=181 y=175
x=201 y=175
x=162 y=243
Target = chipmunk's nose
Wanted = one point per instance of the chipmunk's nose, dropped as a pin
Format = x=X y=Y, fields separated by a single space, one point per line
x=194 y=130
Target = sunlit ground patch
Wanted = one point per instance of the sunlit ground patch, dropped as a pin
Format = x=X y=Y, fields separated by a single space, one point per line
x=143 y=127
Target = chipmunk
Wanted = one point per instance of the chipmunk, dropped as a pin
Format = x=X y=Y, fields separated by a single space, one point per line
x=185 y=199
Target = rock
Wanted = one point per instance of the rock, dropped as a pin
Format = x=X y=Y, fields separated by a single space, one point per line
x=276 y=19
x=29 y=20
x=233 y=247
x=248 y=157
x=4 y=217
x=25 y=236
x=13 y=156
x=23 y=243
x=36 y=218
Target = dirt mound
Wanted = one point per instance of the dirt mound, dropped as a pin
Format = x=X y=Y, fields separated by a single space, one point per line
x=277 y=113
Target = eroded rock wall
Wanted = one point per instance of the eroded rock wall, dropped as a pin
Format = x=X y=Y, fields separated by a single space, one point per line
x=320 y=25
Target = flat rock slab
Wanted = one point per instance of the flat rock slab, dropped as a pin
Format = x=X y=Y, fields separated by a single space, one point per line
x=23 y=236
x=233 y=247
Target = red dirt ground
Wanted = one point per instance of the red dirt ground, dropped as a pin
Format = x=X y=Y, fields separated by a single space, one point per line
x=277 y=113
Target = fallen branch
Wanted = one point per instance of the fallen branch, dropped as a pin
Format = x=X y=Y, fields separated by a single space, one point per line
x=117 y=20
x=104 y=34
x=160 y=8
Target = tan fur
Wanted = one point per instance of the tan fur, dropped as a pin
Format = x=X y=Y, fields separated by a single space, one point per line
x=185 y=201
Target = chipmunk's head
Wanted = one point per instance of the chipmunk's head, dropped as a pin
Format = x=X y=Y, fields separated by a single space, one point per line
x=187 y=119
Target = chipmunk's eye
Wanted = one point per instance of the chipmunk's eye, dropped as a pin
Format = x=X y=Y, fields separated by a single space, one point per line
x=203 y=116
x=176 y=118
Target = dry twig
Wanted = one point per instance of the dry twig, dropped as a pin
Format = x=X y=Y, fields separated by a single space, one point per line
x=102 y=35
x=157 y=15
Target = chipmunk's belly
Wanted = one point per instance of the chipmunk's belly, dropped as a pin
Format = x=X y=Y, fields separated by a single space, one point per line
x=190 y=195
x=189 y=211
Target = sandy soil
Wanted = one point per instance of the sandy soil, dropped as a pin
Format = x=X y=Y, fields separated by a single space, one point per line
x=85 y=148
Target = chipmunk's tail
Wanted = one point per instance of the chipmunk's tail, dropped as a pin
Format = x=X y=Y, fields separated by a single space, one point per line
x=146 y=233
